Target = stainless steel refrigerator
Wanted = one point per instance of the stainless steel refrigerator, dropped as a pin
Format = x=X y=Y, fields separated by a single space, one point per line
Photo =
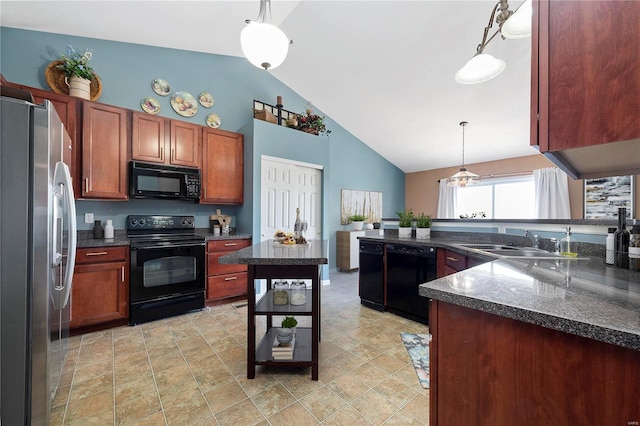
x=37 y=258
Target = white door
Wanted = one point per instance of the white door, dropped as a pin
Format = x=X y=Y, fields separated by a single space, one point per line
x=285 y=186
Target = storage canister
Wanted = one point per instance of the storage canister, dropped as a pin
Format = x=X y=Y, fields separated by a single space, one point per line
x=298 y=294
x=280 y=293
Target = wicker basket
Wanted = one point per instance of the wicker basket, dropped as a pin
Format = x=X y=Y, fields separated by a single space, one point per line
x=55 y=80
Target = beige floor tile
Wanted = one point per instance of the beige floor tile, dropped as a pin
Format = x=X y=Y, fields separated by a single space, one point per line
x=89 y=406
x=257 y=384
x=144 y=385
x=133 y=410
x=328 y=349
x=214 y=377
x=126 y=372
x=388 y=363
x=369 y=374
x=273 y=399
x=172 y=358
x=323 y=403
x=178 y=392
x=224 y=396
x=172 y=375
x=346 y=416
x=156 y=419
x=348 y=387
x=97 y=336
x=201 y=365
x=347 y=361
x=91 y=371
x=188 y=411
x=397 y=391
x=402 y=418
x=374 y=407
x=104 y=417
x=82 y=389
x=299 y=383
x=61 y=397
x=293 y=415
x=418 y=407
x=56 y=415
x=243 y=413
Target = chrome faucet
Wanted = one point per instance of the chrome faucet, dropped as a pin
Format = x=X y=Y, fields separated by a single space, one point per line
x=532 y=238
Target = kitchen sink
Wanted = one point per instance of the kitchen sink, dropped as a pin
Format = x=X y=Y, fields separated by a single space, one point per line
x=507 y=251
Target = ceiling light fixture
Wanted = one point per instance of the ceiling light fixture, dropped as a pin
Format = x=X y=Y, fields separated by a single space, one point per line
x=483 y=67
x=264 y=44
x=463 y=177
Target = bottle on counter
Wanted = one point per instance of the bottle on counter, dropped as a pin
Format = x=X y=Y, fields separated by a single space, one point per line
x=108 y=229
x=297 y=226
x=567 y=245
x=610 y=255
x=622 y=240
x=634 y=249
x=98 y=232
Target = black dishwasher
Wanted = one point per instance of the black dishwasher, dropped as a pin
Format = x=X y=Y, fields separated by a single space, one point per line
x=407 y=268
x=371 y=279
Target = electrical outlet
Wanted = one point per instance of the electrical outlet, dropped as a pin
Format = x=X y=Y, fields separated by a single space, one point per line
x=502 y=229
x=88 y=218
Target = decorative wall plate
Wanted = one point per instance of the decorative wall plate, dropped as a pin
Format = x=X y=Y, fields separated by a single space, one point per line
x=213 y=120
x=150 y=105
x=206 y=100
x=184 y=104
x=161 y=87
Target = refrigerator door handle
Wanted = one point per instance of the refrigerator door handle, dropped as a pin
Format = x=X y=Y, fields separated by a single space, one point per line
x=63 y=189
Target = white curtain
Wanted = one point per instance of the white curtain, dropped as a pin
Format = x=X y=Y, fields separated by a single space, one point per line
x=552 y=194
x=447 y=200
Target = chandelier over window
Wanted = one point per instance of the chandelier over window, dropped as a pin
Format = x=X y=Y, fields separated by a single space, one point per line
x=264 y=44
x=463 y=177
x=483 y=66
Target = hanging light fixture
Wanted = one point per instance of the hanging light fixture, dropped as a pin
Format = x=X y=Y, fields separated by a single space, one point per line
x=483 y=66
x=463 y=177
x=264 y=44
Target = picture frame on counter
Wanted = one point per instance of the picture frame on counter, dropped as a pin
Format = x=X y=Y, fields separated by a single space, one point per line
x=603 y=197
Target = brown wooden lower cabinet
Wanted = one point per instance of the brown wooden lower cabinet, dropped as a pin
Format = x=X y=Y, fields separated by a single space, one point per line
x=225 y=281
x=100 y=289
x=490 y=370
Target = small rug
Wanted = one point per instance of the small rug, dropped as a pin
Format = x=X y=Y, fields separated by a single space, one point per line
x=418 y=347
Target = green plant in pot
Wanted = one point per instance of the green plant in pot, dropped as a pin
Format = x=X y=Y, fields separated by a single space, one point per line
x=423 y=226
x=285 y=333
x=406 y=217
x=357 y=220
x=78 y=74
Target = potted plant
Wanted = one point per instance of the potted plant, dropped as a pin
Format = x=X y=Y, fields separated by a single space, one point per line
x=358 y=221
x=312 y=123
x=78 y=74
x=285 y=333
x=406 y=217
x=423 y=226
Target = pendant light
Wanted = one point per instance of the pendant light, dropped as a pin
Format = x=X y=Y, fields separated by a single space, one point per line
x=264 y=44
x=463 y=177
x=483 y=66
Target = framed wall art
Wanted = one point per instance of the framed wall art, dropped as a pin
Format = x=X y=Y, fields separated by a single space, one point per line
x=603 y=197
x=366 y=203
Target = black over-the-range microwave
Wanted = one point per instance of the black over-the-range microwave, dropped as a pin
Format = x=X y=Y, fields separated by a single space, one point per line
x=147 y=180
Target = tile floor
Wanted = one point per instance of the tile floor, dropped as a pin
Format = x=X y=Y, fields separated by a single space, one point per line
x=191 y=370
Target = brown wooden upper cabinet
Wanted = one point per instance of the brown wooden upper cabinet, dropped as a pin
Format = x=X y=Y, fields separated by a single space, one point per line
x=104 y=151
x=585 y=73
x=160 y=140
x=222 y=167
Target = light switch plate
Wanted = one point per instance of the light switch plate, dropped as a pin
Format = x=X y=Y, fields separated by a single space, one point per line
x=88 y=218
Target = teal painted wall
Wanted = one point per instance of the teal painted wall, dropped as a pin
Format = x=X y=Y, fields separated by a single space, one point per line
x=126 y=71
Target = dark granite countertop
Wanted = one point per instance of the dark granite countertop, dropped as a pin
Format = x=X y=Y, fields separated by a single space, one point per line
x=270 y=253
x=86 y=240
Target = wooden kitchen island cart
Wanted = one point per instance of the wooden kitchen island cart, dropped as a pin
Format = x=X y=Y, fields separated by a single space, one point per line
x=271 y=261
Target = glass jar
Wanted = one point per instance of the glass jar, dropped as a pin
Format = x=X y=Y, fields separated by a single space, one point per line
x=281 y=293
x=298 y=293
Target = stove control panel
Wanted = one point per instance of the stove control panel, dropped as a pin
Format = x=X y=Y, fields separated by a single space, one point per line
x=151 y=223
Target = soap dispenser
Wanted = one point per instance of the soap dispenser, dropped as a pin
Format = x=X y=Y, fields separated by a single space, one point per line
x=567 y=245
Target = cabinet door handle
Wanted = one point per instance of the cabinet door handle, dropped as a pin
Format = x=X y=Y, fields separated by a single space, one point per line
x=162 y=153
x=97 y=253
x=230 y=244
x=173 y=154
x=453 y=259
x=231 y=278
x=86 y=185
x=122 y=269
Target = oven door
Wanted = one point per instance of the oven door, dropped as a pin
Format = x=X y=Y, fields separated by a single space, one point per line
x=166 y=270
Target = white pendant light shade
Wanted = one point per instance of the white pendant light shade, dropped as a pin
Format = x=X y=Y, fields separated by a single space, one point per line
x=264 y=45
x=463 y=178
x=519 y=24
x=480 y=68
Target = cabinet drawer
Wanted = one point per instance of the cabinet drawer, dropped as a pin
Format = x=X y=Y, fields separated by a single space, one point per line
x=101 y=254
x=227 y=245
x=455 y=260
x=215 y=268
x=228 y=285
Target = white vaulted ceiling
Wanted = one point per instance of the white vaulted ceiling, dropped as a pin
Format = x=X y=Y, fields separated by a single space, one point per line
x=382 y=69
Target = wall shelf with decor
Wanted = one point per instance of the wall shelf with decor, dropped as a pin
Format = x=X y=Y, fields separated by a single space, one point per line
x=307 y=122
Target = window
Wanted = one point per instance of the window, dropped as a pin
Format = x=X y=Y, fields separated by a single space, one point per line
x=498 y=198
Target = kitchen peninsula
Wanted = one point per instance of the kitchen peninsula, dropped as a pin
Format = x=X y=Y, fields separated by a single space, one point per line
x=269 y=260
x=535 y=342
